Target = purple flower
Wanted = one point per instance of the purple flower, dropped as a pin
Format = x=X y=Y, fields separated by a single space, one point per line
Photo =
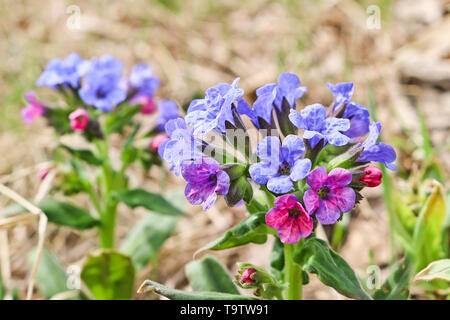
x=359 y=118
x=33 y=110
x=180 y=146
x=271 y=95
x=64 y=72
x=313 y=119
x=280 y=165
x=204 y=180
x=290 y=219
x=168 y=110
x=210 y=113
x=342 y=93
x=378 y=152
x=329 y=196
x=102 y=85
x=143 y=80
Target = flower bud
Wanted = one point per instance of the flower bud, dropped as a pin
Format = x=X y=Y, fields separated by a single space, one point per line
x=246 y=276
x=157 y=140
x=372 y=176
x=79 y=119
x=147 y=103
x=43 y=173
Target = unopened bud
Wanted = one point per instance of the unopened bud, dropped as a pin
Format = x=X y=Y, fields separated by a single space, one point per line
x=372 y=176
x=157 y=140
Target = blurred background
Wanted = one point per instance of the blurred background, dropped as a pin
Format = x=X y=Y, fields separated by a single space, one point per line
x=396 y=52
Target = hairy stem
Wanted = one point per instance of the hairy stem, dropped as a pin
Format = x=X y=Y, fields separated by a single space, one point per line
x=293 y=274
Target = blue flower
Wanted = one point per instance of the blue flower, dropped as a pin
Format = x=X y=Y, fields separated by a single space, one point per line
x=280 y=164
x=180 y=146
x=63 y=72
x=271 y=95
x=102 y=85
x=342 y=93
x=210 y=113
x=359 y=118
x=378 y=152
x=143 y=80
x=317 y=126
x=168 y=110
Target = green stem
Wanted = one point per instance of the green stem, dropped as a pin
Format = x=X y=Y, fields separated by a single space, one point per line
x=293 y=274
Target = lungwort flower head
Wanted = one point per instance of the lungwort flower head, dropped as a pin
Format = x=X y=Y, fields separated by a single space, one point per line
x=359 y=118
x=64 y=72
x=34 y=108
x=329 y=196
x=180 y=146
x=280 y=164
x=204 y=180
x=378 y=152
x=313 y=119
x=102 y=85
x=204 y=115
x=290 y=218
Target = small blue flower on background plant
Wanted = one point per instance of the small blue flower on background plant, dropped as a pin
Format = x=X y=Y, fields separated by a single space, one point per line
x=180 y=146
x=210 y=113
x=102 y=85
x=378 y=152
x=63 y=72
x=204 y=180
x=342 y=92
x=359 y=118
x=143 y=80
x=168 y=110
x=271 y=95
x=313 y=119
x=280 y=164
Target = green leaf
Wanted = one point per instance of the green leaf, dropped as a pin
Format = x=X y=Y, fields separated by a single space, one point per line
x=277 y=260
x=437 y=270
x=84 y=154
x=256 y=206
x=116 y=121
x=150 y=201
x=316 y=257
x=147 y=237
x=58 y=119
x=429 y=228
x=174 y=294
x=66 y=214
x=208 y=274
x=252 y=229
x=396 y=286
x=109 y=275
x=51 y=278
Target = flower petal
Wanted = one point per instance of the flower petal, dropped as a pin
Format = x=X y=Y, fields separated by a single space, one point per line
x=297 y=119
x=327 y=213
x=289 y=232
x=300 y=169
x=280 y=184
x=276 y=217
x=305 y=224
x=293 y=148
x=269 y=149
x=338 y=177
x=223 y=182
x=380 y=152
x=261 y=172
x=288 y=201
x=311 y=200
x=314 y=116
x=343 y=198
x=209 y=201
x=317 y=178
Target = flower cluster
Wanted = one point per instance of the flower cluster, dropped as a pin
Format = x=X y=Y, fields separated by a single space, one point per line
x=98 y=86
x=314 y=161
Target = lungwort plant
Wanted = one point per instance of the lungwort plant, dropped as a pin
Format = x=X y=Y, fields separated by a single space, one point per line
x=96 y=102
x=307 y=168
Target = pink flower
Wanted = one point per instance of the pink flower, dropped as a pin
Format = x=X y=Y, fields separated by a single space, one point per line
x=246 y=276
x=372 y=177
x=290 y=219
x=328 y=196
x=43 y=173
x=147 y=103
x=33 y=110
x=79 y=119
x=157 y=140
